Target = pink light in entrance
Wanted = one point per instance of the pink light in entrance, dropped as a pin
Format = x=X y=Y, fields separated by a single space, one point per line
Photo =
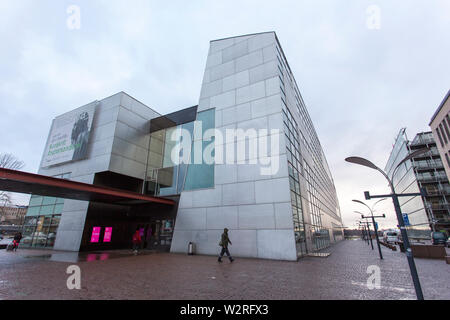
x=108 y=233
x=95 y=234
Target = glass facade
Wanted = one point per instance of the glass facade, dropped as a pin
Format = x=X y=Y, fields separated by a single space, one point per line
x=42 y=220
x=169 y=169
x=405 y=181
x=294 y=168
x=315 y=208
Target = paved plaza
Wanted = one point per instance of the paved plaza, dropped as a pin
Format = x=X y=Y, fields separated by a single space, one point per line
x=38 y=274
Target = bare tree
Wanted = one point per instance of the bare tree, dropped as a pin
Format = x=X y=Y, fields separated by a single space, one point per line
x=9 y=161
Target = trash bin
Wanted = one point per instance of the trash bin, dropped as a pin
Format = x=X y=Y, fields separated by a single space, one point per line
x=191 y=248
x=402 y=247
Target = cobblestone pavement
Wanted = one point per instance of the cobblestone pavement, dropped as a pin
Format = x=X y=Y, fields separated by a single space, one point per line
x=31 y=274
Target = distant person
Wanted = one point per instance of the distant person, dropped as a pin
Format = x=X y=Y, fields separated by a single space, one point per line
x=137 y=240
x=224 y=241
x=149 y=237
x=142 y=234
x=16 y=241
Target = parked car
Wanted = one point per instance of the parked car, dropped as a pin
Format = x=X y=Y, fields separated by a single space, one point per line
x=448 y=242
x=390 y=237
x=438 y=238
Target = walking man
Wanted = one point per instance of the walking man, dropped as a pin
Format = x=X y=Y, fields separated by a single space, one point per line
x=224 y=241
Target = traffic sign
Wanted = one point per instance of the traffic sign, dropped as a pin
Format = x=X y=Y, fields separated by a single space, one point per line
x=406 y=219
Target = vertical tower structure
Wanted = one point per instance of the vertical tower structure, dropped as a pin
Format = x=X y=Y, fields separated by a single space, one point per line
x=282 y=213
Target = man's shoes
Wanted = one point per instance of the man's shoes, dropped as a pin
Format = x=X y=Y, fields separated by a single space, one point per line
x=231 y=259
x=219 y=260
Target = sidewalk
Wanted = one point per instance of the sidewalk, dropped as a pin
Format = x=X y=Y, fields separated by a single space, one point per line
x=30 y=274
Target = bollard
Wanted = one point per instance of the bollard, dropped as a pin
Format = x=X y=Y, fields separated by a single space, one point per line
x=191 y=250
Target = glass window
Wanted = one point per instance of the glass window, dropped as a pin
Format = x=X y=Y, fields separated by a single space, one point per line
x=66 y=176
x=155 y=159
x=448 y=123
x=40 y=236
x=440 y=137
x=201 y=176
x=167 y=180
x=169 y=146
x=448 y=160
x=45 y=210
x=58 y=208
x=55 y=220
x=48 y=201
x=28 y=232
x=446 y=129
x=32 y=221
x=51 y=236
x=443 y=134
x=33 y=211
x=35 y=201
x=47 y=220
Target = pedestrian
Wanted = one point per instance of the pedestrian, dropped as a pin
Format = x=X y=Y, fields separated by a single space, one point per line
x=149 y=237
x=16 y=241
x=224 y=241
x=142 y=233
x=137 y=240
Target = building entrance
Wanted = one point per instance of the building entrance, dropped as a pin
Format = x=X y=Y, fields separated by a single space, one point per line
x=112 y=227
x=159 y=234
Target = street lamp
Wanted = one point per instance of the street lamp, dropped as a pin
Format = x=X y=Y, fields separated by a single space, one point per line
x=409 y=256
x=364 y=231
x=369 y=236
x=374 y=224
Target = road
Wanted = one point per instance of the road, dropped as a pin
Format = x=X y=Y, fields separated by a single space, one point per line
x=35 y=274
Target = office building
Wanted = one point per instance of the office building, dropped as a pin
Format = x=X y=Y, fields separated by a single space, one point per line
x=426 y=170
x=440 y=124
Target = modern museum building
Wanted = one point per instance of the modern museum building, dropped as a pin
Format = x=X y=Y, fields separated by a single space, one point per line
x=246 y=158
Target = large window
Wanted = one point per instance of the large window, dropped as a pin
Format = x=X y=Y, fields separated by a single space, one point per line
x=166 y=174
x=42 y=219
x=170 y=170
x=201 y=176
x=40 y=231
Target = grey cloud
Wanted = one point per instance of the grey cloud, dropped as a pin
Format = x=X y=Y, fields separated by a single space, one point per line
x=360 y=86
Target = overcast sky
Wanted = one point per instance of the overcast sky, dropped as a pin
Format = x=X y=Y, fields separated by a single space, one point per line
x=360 y=85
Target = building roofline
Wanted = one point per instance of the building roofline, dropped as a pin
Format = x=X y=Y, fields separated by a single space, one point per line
x=123 y=92
x=243 y=35
x=447 y=96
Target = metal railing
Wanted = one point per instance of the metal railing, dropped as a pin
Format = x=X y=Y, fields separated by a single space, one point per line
x=431 y=179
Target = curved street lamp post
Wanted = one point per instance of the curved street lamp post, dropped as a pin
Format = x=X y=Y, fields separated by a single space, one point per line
x=362 y=225
x=401 y=223
x=374 y=223
x=369 y=236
